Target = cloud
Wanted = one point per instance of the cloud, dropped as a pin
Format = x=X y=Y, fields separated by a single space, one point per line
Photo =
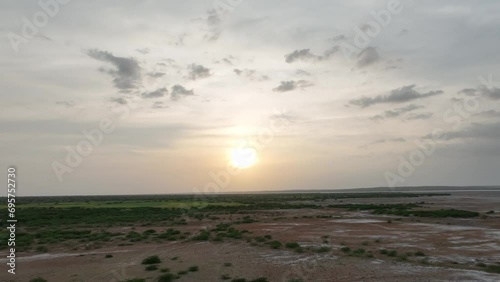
x=400 y=95
x=381 y=141
x=473 y=131
x=302 y=72
x=127 y=71
x=158 y=105
x=155 y=74
x=292 y=85
x=301 y=55
x=489 y=114
x=198 y=71
x=178 y=91
x=67 y=104
x=160 y=92
x=213 y=22
x=492 y=93
x=119 y=100
x=306 y=55
x=367 y=56
x=419 y=116
x=397 y=112
x=250 y=74
x=143 y=51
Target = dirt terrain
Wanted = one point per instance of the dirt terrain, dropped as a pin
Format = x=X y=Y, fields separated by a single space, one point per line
x=381 y=247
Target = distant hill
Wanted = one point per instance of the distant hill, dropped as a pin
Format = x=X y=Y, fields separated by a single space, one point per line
x=397 y=189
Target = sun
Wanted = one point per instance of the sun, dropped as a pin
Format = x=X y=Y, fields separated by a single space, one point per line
x=242 y=157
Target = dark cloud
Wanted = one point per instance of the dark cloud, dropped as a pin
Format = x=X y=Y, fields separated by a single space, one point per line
x=198 y=71
x=301 y=55
x=119 y=100
x=489 y=114
x=468 y=91
x=178 y=91
x=473 y=131
x=400 y=95
x=160 y=92
x=127 y=71
x=492 y=93
x=302 y=72
x=292 y=85
x=143 y=51
x=396 y=112
x=67 y=104
x=382 y=141
x=367 y=56
x=213 y=22
x=159 y=105
x=155 y=74
x=419 y=116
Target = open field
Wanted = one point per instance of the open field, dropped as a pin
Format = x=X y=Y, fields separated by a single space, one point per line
x=260 y=237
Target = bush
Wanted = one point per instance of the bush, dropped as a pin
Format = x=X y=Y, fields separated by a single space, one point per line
x=42 y=249
x=392 y=253
x=345 y=249
x=169 y=277
x=225 y=277
x=292 y=245
x=260 y=279
x=38 y=279
x=239 y=280
x=165 y=270
x=151 y=267
x=419 y=254
x=182 y=272
x=493 y=268
x=323 y=249
x=359 y=251
x=384 y=252
x=193 y=268
x=108 y=256
x=275 y=244
x=151 y=260
x=481 y=264
x=136 y=280
x=228 y=264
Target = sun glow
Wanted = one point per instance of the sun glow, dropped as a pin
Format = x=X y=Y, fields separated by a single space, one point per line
x=243 y=157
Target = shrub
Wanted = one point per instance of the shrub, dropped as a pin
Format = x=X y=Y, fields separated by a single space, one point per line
x=108 y=256
x=239 y=280
x=165 y=270
x=493 y=268
x=419 y=254
x=38 y=279
x=292 y=245
x=42 y=249
x=225 y=277
x=151 y=267
x=481 y=264
x=260 y=279
x=136 y=280
x=175 y=258
x=268 y=237
x=384 y=252
x=392 y=253
x=345 y=249
x=193 y=268
x=151 y=260
x=275 y=244
x=323 y=249
x=182 y=272
x=168 y=277
x=359 y=251
x=490 y=212
x=228 y=264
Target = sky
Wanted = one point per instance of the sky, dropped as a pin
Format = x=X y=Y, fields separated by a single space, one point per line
x=153 y=97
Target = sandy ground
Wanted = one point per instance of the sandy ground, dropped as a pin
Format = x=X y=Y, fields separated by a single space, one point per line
x=452 y=248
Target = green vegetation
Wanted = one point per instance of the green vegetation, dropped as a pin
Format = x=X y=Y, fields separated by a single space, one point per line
x=151 y=260
x=345 y=249
x=225 y=277
x=228 y=264
x=38 y=279
x=419 y=254
x=167 y=277
x=292 y=245
x=275 y=244
x=136 y=280
x=193 y=268
x=407 y=210
x=151 y=267
x=108 y=256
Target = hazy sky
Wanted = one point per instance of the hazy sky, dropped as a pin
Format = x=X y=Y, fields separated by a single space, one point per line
x=329 y=94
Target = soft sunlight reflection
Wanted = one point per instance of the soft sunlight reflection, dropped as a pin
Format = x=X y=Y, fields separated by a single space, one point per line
x=242 y=157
